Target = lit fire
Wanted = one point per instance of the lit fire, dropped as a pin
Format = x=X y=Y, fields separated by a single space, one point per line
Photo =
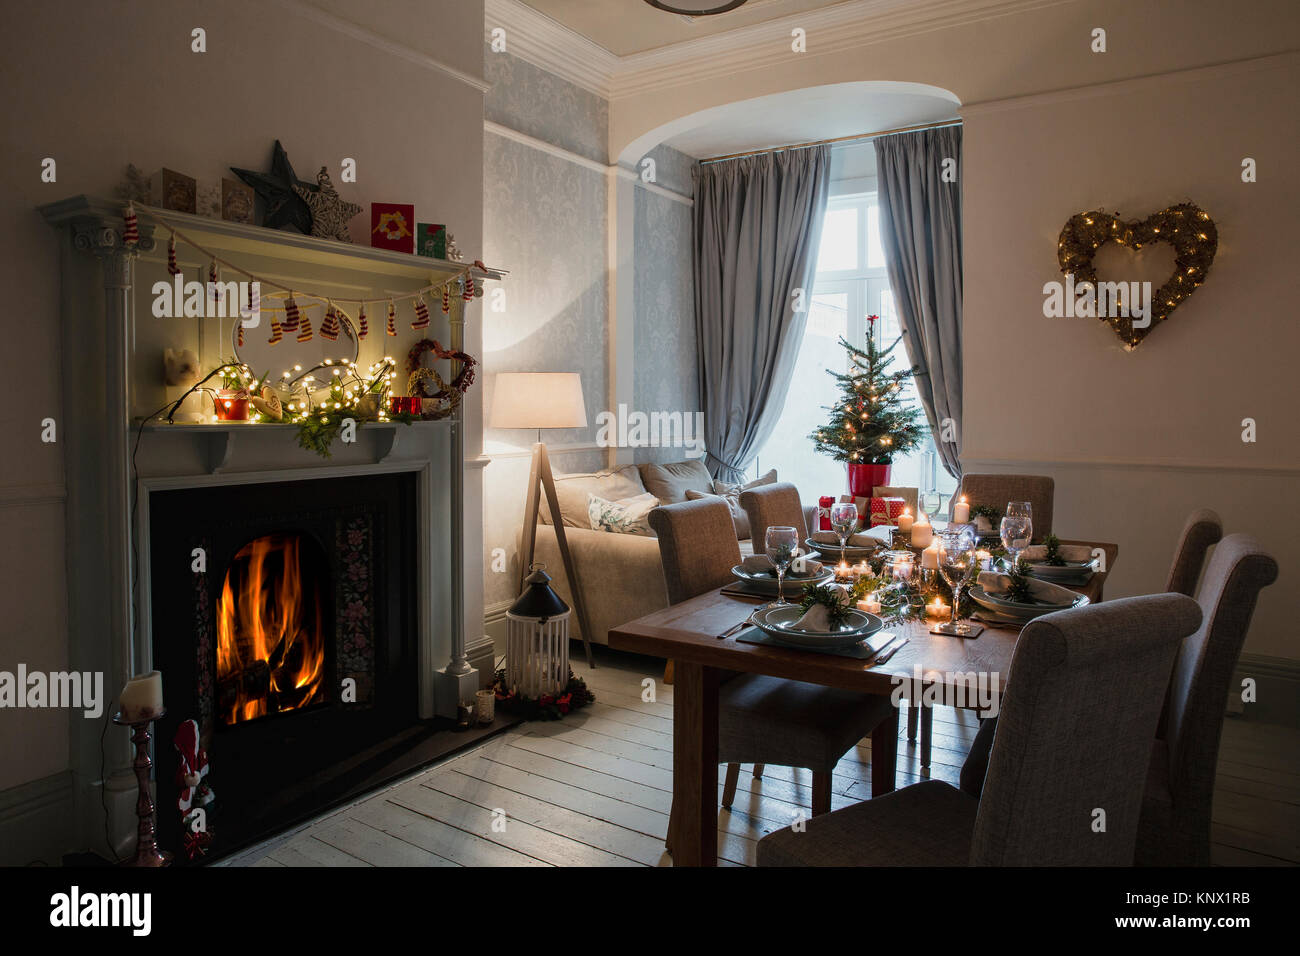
x=270 y=641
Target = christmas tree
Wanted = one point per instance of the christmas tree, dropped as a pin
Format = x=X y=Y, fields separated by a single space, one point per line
x=872 y=422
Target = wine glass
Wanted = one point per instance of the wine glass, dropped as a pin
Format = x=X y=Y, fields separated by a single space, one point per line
x=931 y=502
x=956 y=561
x=1016 y=530
x=781 y=543
x=844 y=518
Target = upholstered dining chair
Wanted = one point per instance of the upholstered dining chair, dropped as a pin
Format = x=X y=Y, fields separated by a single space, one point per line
x=997 y=490
x=1203 y=529
x=1100 y=667
x=761 y=719
x=772 y=505
x=1175 y=822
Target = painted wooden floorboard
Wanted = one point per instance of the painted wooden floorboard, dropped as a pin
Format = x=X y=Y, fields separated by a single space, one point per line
x=596 y=788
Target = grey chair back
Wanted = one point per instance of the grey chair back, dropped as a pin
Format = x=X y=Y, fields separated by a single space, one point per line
x=772 y=505
x=1074 y=733
x=996 y=490
x=1237 y=572
x=697 y=542
x=1203 y=529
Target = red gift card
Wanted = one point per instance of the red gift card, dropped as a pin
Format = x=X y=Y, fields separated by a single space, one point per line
x=392 y=226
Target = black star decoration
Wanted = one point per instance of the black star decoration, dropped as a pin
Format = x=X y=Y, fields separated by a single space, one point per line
x=278 y=189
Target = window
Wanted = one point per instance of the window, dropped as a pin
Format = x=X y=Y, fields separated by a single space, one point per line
x=851 y=284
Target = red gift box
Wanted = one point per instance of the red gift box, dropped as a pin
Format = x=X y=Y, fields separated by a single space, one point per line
x=392 y=226
x=824 y=512
x=864 y=507
x=886 y=510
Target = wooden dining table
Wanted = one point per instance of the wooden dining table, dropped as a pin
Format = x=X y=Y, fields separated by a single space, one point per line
x=687 y=634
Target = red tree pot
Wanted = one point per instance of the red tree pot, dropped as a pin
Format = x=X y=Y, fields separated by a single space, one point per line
x=864 y=478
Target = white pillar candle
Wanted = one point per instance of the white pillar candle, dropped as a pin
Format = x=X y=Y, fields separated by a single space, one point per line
x=870 y=604
x=961 y=512
x=937 y=608
x=922 y=532
x=930 y=557
x=905 y=521
x=984 y=559
x=142 y=697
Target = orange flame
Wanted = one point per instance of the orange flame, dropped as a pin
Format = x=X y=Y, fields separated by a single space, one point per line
x=270 y=650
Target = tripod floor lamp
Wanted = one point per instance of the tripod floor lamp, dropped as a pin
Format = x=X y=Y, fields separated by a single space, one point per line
x=538 y=400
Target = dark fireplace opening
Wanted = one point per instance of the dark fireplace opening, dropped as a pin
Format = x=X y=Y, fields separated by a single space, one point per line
x=284 y=619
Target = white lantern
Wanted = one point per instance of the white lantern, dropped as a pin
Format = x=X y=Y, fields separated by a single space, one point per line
x=537 y=639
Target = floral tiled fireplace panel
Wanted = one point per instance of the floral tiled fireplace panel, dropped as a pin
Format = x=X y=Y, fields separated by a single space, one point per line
x=283 y=620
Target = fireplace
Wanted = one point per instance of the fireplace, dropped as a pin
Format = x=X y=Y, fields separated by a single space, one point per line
x=284 y=619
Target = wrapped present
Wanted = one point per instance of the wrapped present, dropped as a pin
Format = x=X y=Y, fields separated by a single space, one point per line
x=824 y=512
x=886 y=510
x=864 y=507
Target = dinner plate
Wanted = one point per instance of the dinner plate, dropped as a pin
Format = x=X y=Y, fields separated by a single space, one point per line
x=768 y=581
x=834 y=553
x=1024 y=612
x=777 y=622
x=1072 y=572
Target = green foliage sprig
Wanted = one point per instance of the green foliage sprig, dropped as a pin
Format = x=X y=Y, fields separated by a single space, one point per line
x=837 y=612
x=1018 y=588
x=548 y=706
x=1053 y=545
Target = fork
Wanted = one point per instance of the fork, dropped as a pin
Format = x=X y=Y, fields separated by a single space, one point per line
x=737 y=627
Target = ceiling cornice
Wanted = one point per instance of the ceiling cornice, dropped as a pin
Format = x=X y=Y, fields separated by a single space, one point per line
x=538 y=39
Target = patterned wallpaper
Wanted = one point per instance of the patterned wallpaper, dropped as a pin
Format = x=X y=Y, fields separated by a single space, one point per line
x=545 y=220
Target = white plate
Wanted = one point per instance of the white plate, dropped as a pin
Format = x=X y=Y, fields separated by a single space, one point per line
x=1071 y=572
x=776 y=621
x=851 y=554
x=1024 y=612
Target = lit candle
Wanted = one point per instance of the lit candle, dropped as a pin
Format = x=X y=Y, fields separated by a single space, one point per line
x=905 y=521
x=961 y=511
x=937 y=608
x=930 y=557
x=922 y=532
x=841 y=571
x=142 y=698
x=860 y=569
x=870 y=603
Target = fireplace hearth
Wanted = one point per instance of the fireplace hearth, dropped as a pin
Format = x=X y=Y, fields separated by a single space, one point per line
x=283 y=615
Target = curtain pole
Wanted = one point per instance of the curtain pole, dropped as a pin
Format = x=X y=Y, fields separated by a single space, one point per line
x=827 y=142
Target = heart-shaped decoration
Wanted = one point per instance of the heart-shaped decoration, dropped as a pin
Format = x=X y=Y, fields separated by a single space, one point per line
x=269 y=404
x=1186 y=227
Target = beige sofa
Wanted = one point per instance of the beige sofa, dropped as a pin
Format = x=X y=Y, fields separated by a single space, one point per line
x=621 y=575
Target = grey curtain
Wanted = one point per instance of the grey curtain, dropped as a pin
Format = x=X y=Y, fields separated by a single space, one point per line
x=920 y=229
x=758 y=222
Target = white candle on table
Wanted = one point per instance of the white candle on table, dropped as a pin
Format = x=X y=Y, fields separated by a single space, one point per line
x=937 y=608
x=142 y=697
x=930 y=557
x=870 y=604
x=961 y=511
x=984 y=559
x=922 y=532
x=905 y=521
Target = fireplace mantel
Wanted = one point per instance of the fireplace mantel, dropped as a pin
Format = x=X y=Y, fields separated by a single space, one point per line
x=112 y=380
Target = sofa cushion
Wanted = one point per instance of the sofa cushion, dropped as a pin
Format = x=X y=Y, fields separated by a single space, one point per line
x=572 y=491
x=669 y=483
x=628 y=516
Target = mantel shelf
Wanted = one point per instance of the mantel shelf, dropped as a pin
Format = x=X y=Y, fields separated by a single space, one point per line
x=218 y=234
x=222 y=437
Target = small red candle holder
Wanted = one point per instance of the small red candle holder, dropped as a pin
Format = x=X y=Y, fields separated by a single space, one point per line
x=231 y=405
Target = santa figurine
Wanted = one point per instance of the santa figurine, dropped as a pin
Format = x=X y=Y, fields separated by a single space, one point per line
x=191 y=770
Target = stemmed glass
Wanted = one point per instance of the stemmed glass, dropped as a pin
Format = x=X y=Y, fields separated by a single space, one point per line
x=781 y=543
x=931 y=502
x=1017 y=529
x=956 y=561
x=844 y=518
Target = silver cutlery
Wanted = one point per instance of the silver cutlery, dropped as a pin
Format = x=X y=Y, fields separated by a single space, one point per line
x=736 y=627
x=896 y=648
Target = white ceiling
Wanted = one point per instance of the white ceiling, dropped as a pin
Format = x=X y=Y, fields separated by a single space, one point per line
x=633 y=26
x=802 y=116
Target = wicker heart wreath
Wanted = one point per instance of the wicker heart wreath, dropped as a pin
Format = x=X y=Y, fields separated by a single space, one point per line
x=438 y=399
x=1186 y=227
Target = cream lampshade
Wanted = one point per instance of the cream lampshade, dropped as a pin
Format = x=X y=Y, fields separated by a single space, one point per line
x=538 y=400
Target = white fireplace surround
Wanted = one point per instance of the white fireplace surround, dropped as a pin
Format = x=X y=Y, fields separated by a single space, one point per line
x=114 y=377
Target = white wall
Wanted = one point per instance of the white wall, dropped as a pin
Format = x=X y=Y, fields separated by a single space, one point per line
x=1138 y=440
x=96 y=86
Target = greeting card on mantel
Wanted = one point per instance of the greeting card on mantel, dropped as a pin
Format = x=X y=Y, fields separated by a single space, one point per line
x=391 y=226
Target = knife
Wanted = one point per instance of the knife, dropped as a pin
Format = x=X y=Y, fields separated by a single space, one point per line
x=880 y=660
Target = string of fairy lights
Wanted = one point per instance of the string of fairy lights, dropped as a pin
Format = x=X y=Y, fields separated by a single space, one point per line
x=348 y=386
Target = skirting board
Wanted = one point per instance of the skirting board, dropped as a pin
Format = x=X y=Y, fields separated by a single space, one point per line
x=35 y=821
x=1277 y=690
x=482 y=657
